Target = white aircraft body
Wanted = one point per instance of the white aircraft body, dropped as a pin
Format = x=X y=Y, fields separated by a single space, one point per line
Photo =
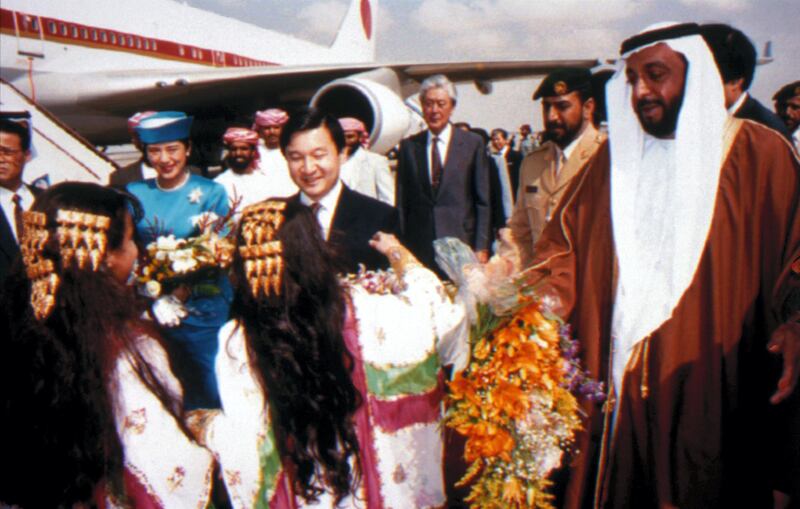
x=93 y=63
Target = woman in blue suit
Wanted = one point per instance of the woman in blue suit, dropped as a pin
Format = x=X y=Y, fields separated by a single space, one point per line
x=174 y=203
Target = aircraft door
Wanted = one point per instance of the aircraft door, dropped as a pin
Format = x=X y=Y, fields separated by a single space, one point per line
x=29 y=35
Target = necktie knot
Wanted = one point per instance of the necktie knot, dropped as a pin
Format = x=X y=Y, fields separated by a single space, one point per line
x=315 y=207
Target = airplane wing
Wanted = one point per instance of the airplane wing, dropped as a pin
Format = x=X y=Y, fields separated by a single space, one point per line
x=231 y=92
x=127 y=91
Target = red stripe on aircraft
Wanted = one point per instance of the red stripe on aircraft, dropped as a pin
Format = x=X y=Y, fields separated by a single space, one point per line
x=68 y=32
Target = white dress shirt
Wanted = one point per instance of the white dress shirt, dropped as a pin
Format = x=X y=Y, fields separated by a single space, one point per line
x=7 y=202
x=443 y=144
x=738 y=104
x=327 y=207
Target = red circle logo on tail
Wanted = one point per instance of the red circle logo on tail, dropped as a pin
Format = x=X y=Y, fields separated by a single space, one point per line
x=366 y=18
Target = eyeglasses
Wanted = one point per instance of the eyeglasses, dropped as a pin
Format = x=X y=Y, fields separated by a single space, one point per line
x=5 y=151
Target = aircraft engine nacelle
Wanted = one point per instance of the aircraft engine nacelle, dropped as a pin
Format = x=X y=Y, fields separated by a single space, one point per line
x=372 y=97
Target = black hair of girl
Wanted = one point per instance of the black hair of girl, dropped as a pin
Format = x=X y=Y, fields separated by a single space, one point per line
x=298 y=353
x=59 y=434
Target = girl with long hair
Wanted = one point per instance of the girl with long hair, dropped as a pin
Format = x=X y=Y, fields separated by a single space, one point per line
x=91 y=412
x=330 y=387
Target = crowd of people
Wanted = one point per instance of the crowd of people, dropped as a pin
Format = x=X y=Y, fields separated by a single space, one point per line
x=660 y=204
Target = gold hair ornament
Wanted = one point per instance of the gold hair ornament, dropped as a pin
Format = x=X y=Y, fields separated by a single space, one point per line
x=261 y=253
x=82 y=238
x=40 y=271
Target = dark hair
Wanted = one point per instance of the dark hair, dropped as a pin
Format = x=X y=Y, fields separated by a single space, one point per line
x=498 y=130
x=60 y=434
x=307 y=119
x=298 y=352
x=18 y=128
x=733 y=52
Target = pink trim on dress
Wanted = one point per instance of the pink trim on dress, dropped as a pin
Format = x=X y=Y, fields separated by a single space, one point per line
x=363 y=421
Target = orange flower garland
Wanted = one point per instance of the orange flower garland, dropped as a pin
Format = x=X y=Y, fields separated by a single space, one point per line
x=515 y=410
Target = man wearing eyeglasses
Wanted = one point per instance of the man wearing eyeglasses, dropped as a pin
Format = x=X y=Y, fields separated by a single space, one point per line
x=15 y=197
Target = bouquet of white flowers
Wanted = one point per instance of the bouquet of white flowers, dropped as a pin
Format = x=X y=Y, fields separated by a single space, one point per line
x=194 y=263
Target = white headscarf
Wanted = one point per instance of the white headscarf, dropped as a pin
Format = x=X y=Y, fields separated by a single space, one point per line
x=642 y=305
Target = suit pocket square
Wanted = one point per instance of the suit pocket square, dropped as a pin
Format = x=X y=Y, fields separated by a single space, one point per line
x=531 y=189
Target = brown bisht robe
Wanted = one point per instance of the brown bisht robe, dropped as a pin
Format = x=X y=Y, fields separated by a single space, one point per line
x=695 y=427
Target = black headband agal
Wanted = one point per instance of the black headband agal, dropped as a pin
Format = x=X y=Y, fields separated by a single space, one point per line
x=661 y=34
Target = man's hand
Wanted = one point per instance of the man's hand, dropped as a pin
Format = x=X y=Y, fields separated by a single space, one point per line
x=483 y=255
x=786 y=342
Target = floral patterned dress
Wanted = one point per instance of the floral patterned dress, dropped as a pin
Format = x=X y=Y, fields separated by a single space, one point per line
x=163 y=468
x=400 y=340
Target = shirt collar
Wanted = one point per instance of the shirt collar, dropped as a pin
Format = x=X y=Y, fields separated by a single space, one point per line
x=444 y=136
x=23 y=191
x=738 y=104
x=569 y=149
x=329 y=201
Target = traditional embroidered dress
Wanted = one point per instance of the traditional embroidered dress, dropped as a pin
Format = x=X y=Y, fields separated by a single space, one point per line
x=163 y=468
x=192 y=345
x=399 y=343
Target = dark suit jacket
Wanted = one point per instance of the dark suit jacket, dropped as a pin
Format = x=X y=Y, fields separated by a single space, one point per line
x=513 y=161
x=751 y=109
x=356 y=219
x=9 y=249
x=460 y=208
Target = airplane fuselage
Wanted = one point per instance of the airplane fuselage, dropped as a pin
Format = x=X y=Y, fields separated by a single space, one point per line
x=69 y=56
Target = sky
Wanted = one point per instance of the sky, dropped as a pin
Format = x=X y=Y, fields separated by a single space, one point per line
x=473 y=30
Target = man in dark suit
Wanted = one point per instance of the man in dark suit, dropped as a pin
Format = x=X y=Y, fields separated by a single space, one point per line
x=735 y=56
x=15 y=196
x=443 y=180
x=313 y=144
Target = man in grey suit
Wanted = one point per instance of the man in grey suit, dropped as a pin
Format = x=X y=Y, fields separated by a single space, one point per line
x=442 y=180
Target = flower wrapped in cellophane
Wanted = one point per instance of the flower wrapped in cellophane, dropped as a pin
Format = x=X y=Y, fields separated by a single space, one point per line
x=194 y=261
x=516 y=402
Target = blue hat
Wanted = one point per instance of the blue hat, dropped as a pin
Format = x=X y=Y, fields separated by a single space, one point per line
x=164 y=126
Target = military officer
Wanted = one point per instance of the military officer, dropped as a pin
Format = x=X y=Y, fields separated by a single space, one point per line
x=570 y=141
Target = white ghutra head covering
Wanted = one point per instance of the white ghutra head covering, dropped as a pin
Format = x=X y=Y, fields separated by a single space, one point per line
x=684 y=221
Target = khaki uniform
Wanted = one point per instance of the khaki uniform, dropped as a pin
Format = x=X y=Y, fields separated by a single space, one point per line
x=541 y=188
